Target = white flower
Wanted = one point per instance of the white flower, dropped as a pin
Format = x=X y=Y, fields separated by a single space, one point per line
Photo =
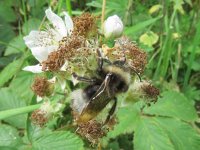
x=113 y=27
x=42 y=43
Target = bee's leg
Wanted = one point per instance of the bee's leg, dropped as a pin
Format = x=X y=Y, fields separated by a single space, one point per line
x=111 y=111
x=84 y=79
x=99 y=60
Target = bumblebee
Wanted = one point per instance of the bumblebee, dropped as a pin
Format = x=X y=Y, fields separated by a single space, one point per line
x=112 y=78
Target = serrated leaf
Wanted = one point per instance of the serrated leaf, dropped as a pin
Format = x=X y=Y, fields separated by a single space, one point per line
x=25 y=80
x=150 y=136
x=58 y=141
x=127 y=118
x=173 y=104
x=7 y=32
x=8 y=136
x=10 y=70
x=182 y=135
x=9 y=100
x=16 y=45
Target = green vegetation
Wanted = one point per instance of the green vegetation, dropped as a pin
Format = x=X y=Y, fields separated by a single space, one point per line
x=168 y=30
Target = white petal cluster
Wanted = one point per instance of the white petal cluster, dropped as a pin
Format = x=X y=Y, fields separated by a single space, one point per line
x=42 y=43
x=113 y=27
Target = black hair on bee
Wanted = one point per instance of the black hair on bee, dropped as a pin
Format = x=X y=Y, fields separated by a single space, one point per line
x=112 y=79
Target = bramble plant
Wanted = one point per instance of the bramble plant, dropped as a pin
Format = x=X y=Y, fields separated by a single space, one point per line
x=99 y=75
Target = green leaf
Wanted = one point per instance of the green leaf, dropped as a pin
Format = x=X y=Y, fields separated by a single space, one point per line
x=173 y=104
x=9 y=100
x=10 y=70
x=31 y=24
x=140 y=26
x=25 y=80
x=6 y=7
x=150 y=136
x=127 y=123
x=149 y=38
x=8 y=137
x=7 y=33
x=16 y=45
x=7 y=148
x=182 y=135
x=58 y=141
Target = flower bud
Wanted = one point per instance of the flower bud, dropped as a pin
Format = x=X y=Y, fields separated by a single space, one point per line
x=113 y=27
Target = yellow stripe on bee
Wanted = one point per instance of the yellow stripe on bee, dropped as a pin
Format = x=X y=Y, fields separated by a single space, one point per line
x=117 y=70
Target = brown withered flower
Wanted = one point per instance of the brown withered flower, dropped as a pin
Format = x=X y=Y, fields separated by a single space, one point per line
x=92 y=131
x=84 y=25
x=46 y=111
x=42 y=87
x=125 y=49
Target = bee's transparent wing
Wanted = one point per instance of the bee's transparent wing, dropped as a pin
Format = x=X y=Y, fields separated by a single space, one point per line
x=97 y=102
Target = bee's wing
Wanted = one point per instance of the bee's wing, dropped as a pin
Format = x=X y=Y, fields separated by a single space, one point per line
x=103 y=86
x=97 y=102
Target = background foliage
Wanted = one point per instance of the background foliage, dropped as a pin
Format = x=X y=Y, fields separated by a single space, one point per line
x=168 y=30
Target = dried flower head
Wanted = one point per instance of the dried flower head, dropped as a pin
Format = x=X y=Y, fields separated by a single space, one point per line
x=46 y=111
x=42 y=87
x=136 y=58
x=92 y=131
x=39 y=118
x=125 y=49
x=151 y=91
x=84 y=24
x=143 y=90
x=66 y=51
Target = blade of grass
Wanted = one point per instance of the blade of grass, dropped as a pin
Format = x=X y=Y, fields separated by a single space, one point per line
x=60 y=6
x=68 y=6
x=166 y=51
x=192 y=55
x=141 y=26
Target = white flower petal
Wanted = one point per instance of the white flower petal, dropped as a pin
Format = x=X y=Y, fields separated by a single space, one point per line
x=41 y=53
x=39 y=99
x=57 y=22
x=69 y=23
x=64 y=67
x=35 y=69
x=41 y=44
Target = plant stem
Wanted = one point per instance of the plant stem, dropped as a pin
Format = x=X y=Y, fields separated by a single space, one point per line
x=17 y=111
x=103 y=13
x=68 y=6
